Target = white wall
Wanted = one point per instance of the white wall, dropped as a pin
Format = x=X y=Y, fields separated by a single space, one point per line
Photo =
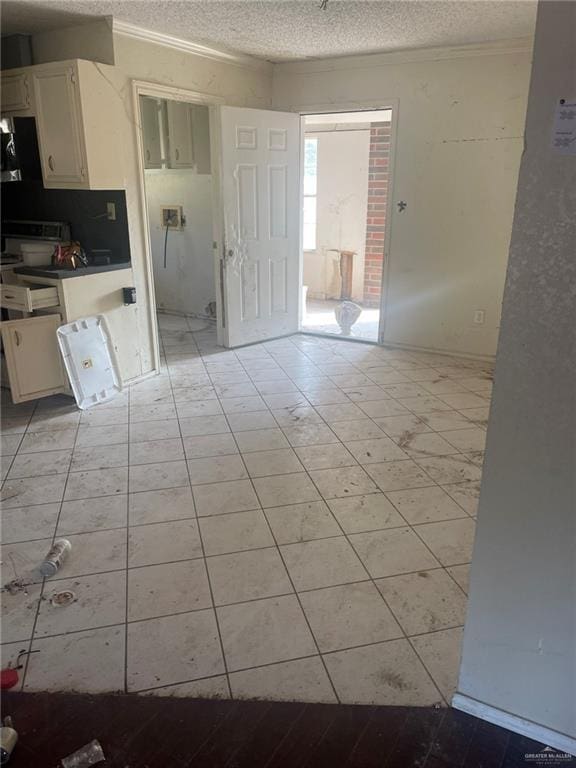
x=460 y=138
x=187 y=283
x=459 y=141
x=342 y=198
x=520 y=636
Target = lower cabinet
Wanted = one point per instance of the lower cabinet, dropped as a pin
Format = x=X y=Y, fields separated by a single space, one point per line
x=33 y=359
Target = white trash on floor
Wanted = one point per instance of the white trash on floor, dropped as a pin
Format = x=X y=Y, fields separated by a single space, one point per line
x=90 y=361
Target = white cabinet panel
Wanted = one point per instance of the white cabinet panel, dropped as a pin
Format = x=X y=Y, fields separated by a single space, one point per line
x=201 y=137
x=180 y=135
x=33 y=358
x=150 y=114
x=15 y=93
x=27 y=298
x=59 y=126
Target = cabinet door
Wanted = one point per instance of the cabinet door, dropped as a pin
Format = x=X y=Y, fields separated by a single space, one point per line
x=201 y=137
x=180 y=135
x=59 y=128
x=150 y=115
x=33 y=359
x=15 y=92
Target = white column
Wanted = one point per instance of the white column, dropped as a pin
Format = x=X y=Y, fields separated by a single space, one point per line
x=519 y=657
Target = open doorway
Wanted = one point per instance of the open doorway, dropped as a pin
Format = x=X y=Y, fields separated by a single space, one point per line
x=245 y=274
x=346 y=178
x=179 y=203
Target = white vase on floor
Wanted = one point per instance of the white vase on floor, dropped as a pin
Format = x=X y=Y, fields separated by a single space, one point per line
x=346 y=315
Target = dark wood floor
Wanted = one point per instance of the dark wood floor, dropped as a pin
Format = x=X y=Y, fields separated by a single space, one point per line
x=154 y=732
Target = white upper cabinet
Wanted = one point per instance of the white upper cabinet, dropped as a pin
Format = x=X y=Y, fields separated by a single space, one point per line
x=78 y=111
x=16 y=93
x=181 y=148
x=58 y=118
x=79 y=117
x=175 y=134
x=151 y=131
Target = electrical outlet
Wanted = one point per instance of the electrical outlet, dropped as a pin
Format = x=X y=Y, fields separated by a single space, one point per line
x=172 y=216
x=479 y=317
x=111 y=211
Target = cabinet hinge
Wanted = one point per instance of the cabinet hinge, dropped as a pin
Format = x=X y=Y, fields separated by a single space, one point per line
x=82 y=172
x=73 y=78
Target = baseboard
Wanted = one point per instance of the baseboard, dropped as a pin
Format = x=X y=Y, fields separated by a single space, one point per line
x=336 y=337
x=515 y=723
x=434 y=351
x=141 y=377
x=192 y=315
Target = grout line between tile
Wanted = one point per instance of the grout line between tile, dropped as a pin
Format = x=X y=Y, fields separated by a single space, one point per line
x=127 y=586
x=43 y=583
x=314 y=369
x=214 y=611
x=392 y=613
x=286 y=570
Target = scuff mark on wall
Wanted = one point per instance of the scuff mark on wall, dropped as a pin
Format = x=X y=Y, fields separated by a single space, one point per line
x=123 y=94
x=487 y=138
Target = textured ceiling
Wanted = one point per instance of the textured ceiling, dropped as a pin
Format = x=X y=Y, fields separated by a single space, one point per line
x=281 y=30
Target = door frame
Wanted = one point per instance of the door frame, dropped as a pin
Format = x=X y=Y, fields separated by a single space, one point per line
x=359 y=106
x=158 y=91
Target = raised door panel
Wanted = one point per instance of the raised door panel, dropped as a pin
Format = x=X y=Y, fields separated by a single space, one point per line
x=59 y=128
x=34 y=363
x=180 y=135
x=15 y=92
x=150 y=112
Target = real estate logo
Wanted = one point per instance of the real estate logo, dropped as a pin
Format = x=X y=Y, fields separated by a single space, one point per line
x=548 y=756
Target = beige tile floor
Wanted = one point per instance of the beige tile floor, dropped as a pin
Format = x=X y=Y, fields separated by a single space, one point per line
x=291 y=520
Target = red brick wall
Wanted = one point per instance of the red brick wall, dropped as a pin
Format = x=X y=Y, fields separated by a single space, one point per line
x=376 y=218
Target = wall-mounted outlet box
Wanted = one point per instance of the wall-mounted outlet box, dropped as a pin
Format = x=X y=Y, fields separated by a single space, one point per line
x=479 y=317
x=171 y=216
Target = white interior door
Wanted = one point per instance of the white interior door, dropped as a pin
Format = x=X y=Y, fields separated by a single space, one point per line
x=260 y=259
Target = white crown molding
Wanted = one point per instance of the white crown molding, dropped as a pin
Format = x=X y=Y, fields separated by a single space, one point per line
x=541 y=733
x=499 y=47
x=187 y=46
x=495 y=48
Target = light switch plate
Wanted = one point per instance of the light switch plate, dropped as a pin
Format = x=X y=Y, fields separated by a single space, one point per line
x=479 y=317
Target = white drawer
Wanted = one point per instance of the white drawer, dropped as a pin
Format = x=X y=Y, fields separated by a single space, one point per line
x=27 y=298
